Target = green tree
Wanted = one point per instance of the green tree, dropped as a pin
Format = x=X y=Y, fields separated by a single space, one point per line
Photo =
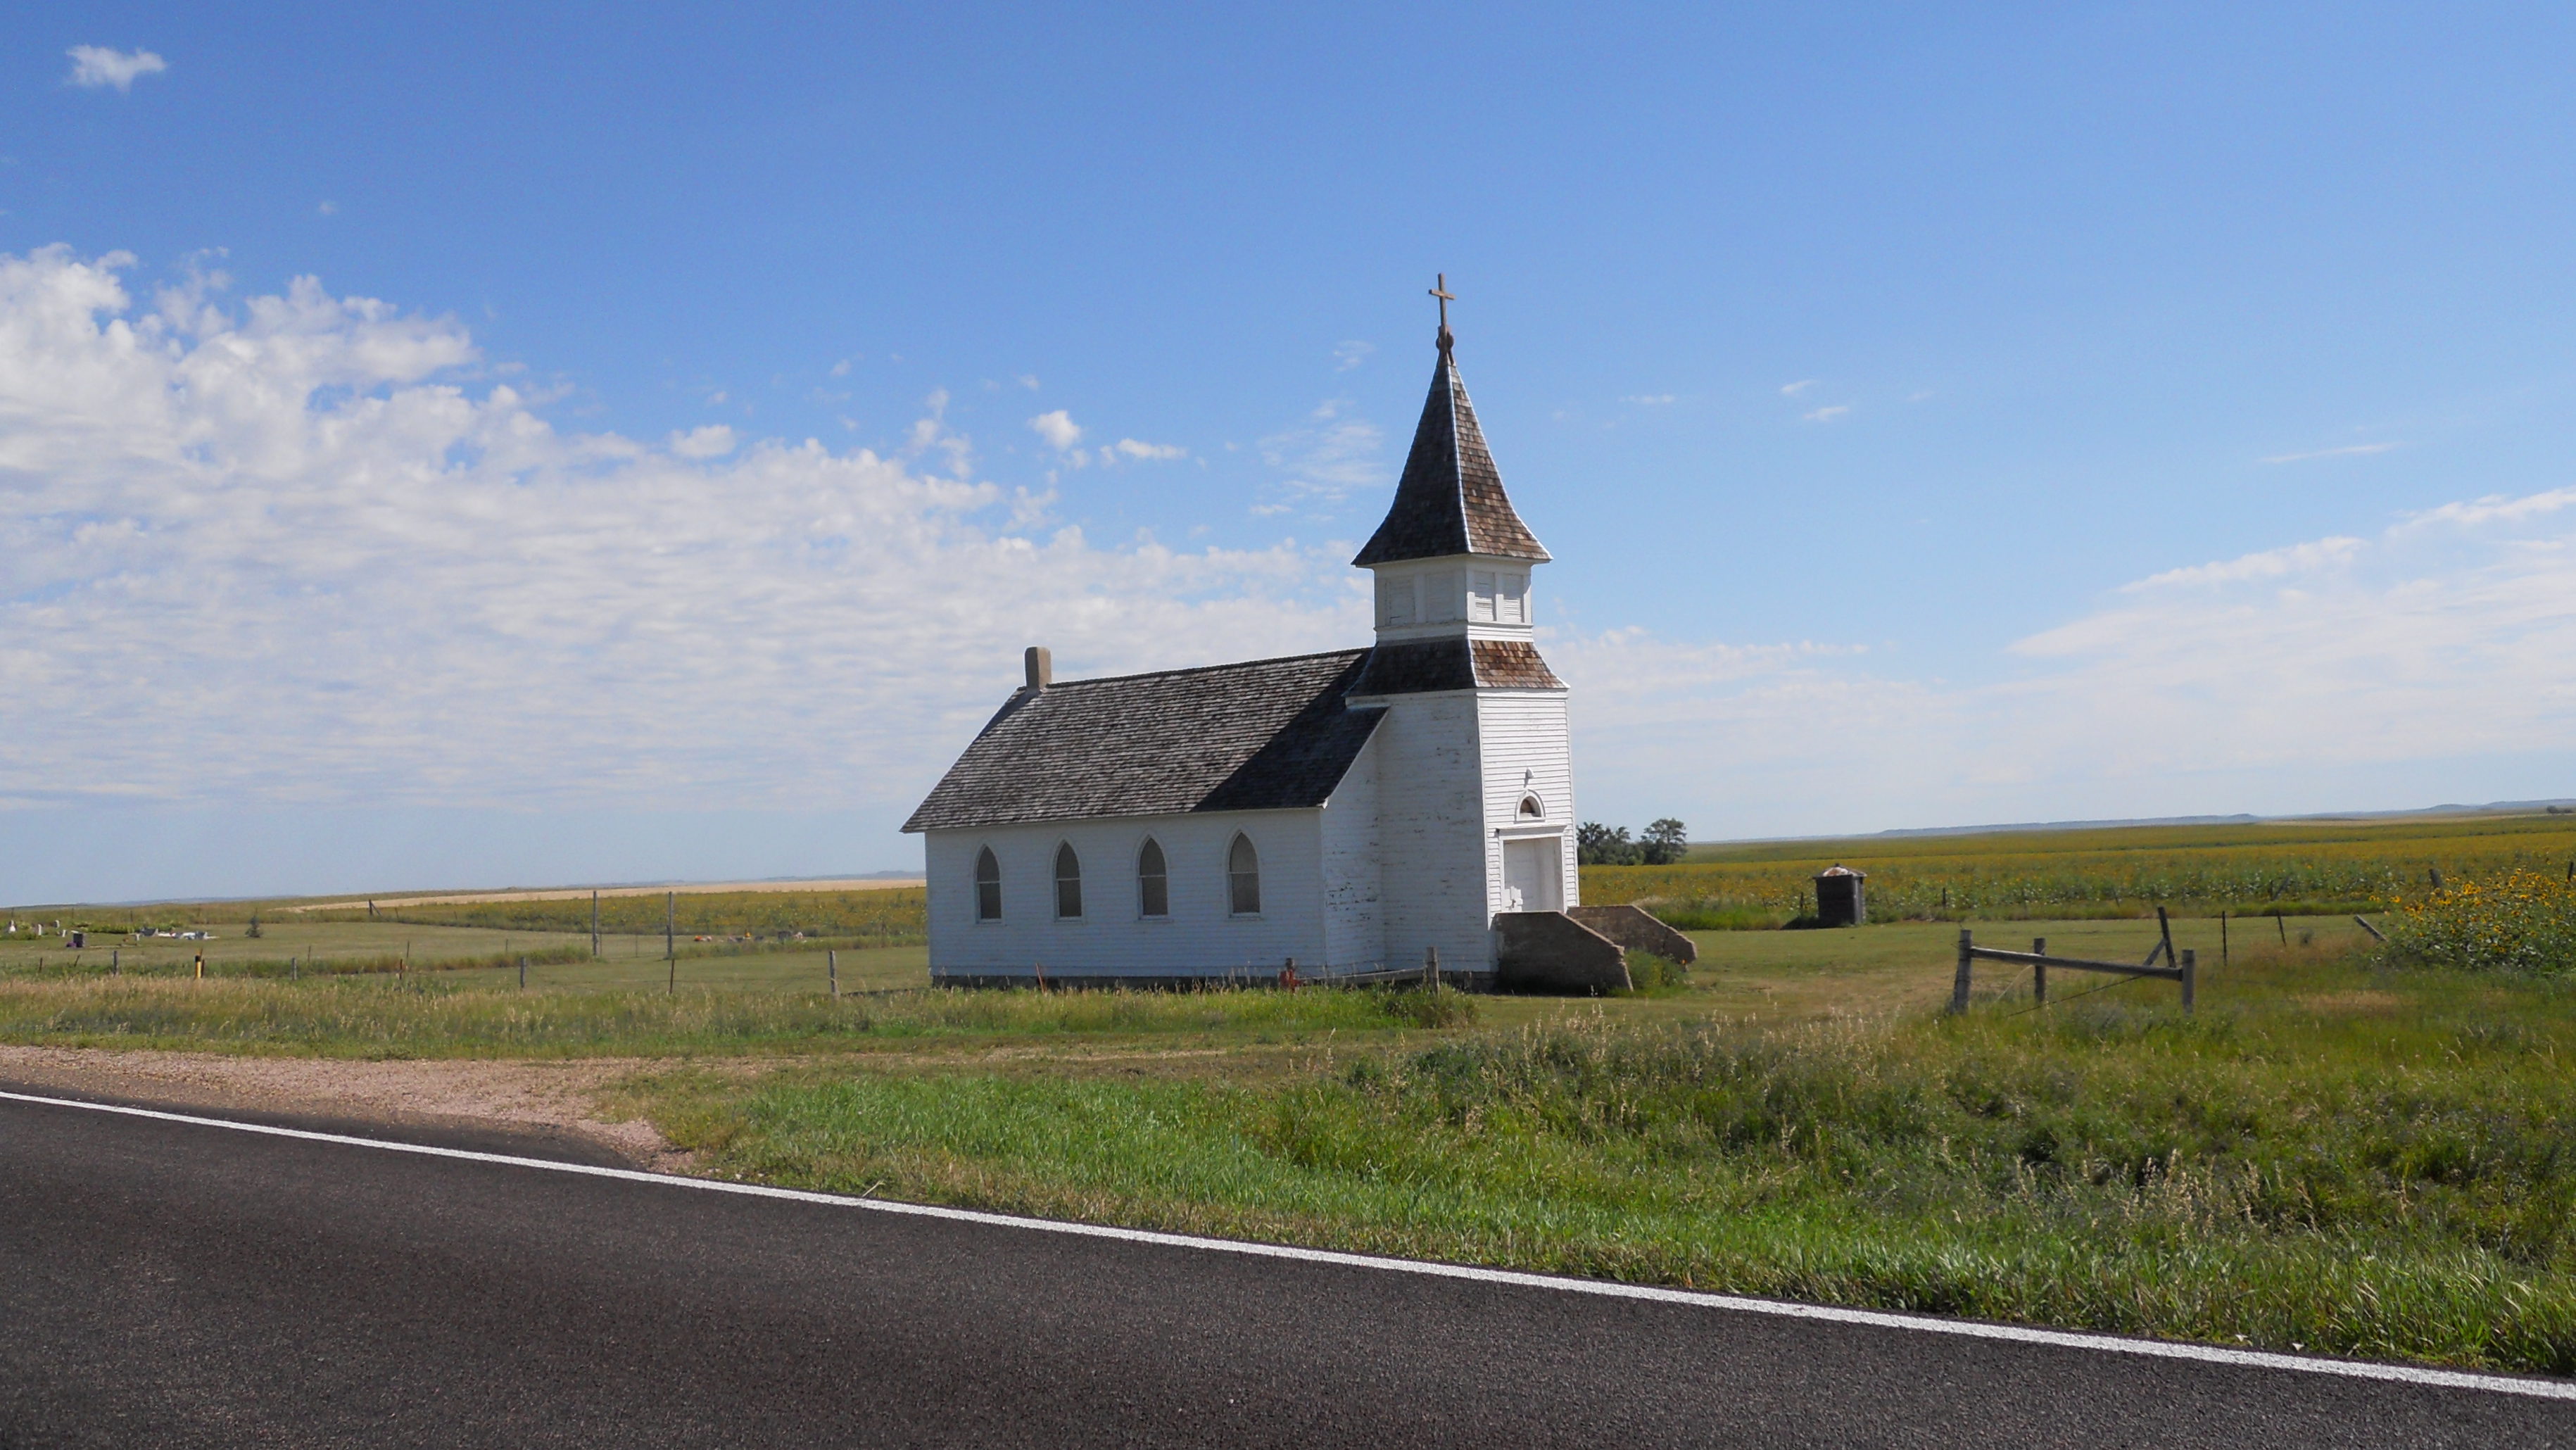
x=1665 y=842
x=1598 y=845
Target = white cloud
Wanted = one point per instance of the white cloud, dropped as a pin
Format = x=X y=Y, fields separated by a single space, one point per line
x=1028 y=381
x=2342 y=672
x=712 y=441
x=2494 y=508
x=1058 y=429
x=328 y=208
x=2269 y=564
x=1351 y=354
x=95 y=66
x=1791 y=390
x=2419 y=644
x=1131 y=448
x=2353 y=450
x=841 y=369
x=1826 y=414
x=1330 y=457
x=281 y=552
x=1651 y=400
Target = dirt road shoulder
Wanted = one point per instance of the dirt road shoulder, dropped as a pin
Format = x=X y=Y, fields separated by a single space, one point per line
x=537 y=1099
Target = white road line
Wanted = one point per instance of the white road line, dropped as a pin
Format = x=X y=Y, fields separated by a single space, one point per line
x=1872 y=1318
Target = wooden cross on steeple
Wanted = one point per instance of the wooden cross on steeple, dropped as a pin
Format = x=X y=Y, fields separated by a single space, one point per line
x=1441 y=291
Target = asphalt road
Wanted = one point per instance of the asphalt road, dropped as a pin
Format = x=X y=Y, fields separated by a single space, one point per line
x=167 y=1284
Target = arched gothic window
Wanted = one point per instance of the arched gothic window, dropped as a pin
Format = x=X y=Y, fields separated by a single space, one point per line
x=1068 y=881
x=1243 y=877
x=1531 y=809
x=1153 y=882
x=988 y=886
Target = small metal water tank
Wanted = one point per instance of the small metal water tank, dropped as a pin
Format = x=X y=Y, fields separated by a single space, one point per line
x=1840 y=900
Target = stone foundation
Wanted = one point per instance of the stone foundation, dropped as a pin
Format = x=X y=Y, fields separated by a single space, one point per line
x=1549 y=951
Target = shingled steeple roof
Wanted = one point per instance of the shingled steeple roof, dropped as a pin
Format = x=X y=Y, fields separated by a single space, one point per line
x=1450 y=499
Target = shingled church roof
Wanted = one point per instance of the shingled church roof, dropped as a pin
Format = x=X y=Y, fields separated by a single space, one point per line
x=1450 y=499
x=1423 y=665
x=1265 y=735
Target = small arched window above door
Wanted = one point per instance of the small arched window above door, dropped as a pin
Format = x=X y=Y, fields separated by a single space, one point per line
x=1153 y=881
x=988 y=886
x=1533 y=809
x=1243 y=878
x=1068 y=882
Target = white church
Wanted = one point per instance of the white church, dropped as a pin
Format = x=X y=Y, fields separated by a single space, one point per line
x=1365 y=812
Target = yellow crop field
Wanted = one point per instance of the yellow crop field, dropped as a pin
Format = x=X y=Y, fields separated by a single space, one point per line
x=2291 y=867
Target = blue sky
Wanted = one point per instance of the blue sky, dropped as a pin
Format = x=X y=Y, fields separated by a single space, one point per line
x=2017 y=413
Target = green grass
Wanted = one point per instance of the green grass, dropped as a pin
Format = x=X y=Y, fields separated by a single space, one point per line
x=457 y=1016
x=2327 y=1155
x=385 y=946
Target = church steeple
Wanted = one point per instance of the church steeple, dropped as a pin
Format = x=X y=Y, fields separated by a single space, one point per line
x=1450 y=499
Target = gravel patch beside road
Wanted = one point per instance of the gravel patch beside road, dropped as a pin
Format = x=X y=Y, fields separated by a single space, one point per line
x=551 y=1097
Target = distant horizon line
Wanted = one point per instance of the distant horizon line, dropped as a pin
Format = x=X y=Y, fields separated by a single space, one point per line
x=2521 y=807
x=2240 y=819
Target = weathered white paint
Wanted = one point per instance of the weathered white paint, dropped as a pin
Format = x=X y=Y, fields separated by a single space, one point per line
x=1353 y=875
x=1470 y=594
x=1527 y=750
x=1431 y=821
x=1113 y=936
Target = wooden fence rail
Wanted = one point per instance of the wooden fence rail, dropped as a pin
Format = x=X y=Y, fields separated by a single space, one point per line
x=2186 y=971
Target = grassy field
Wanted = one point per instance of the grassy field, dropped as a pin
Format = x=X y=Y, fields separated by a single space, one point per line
x=2291 y=867
x=877 y=917
x=885 y=916
x=2326 y=1156
x=2331 y=1153
x=2346 y=1148
x=330 y=943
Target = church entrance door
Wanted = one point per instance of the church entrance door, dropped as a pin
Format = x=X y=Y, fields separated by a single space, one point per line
x=1535 y=870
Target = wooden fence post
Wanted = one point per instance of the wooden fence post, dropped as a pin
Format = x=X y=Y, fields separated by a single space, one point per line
x=2190 y=970
x=671 y=937
x=2222 y=939
x=1431 y=968
x=1959 y=988
x=832 y=970
x=594 y=925
x=2039 y=972
x=523 y=974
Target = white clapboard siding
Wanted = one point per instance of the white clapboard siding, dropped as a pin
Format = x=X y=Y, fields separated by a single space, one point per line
x=1113 y=937
x=1431 y=830
x=1527 y=750
x=1353 y=875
